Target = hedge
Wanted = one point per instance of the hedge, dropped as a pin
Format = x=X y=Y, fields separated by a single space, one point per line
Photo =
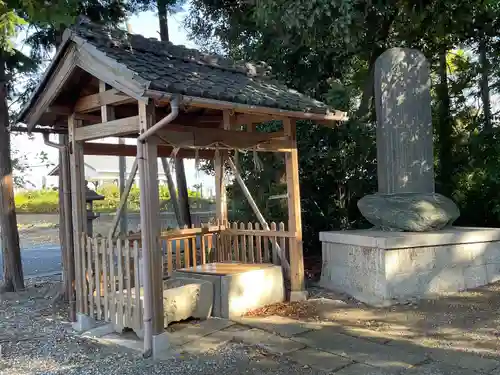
x=47 y=201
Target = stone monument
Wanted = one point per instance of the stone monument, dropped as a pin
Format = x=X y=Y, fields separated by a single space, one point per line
x=413 y=250
x=405 y=160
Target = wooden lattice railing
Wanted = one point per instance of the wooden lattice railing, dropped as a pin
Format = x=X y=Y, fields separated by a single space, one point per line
x=110 y=269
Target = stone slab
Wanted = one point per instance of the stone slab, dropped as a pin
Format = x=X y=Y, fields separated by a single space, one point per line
x=197 y=331
x=448 y=356
x=212 y=341
x=279 y=325
x=84 y=323
x=438 y=369
x=272 y=343
x=185 y=298
x=362 y=369
x=318 y=359
x=359 y=350
x=99 y=331
x=124 y=341
x=396 y=240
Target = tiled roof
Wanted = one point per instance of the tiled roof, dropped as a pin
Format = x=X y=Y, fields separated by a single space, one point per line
x=179 y=70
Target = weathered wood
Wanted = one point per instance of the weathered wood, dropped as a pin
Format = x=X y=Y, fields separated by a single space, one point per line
x=113 y=128
x=294 y=211
x=170 y=254
x=98 y=277
x=123 y=199
x=258 y=239
x=274 y=244
x=131 y=150
x=105 y=282
x=78 y=207
x=251 y=254
x=90 y=278
x=121 y=276
x=112 y=281
x=203 y=249
x=251 y=109
x=152 y=205
x=137 y=288
x=128 y=284
x=91 y=103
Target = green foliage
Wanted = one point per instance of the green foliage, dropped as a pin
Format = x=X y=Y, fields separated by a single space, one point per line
x=47 y=200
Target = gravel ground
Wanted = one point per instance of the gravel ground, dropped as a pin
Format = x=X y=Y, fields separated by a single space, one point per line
x=36 y=338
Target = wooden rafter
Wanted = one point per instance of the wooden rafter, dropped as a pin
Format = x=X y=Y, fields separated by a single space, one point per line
x=131 y=150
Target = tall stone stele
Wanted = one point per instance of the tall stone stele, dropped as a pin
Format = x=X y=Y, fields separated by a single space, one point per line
x=406 y=200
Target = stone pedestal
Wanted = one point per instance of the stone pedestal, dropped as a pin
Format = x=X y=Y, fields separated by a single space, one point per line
x=383 y=268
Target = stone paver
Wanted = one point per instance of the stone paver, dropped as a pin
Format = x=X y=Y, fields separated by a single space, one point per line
x=212 y=341
x=435 y=368
x=272 y=343
x=362 y=369
x=196 y=331
x=282 y=326
x=319 y=360
x=450 y=356
x=359 y=350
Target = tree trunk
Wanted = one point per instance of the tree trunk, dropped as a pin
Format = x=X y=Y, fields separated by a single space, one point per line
x=484 y=82
x=180 y=174
x=162 y=15
x=445 y=128
x=13 y=270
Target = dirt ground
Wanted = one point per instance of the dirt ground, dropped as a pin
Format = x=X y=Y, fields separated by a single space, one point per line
x=465 y=321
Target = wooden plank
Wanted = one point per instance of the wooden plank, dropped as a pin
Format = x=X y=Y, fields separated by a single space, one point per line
x=186 y=251
x=137 y=288
x=152 y=224
x=283 y=239
x=274 y=244
x=112 y=280
x=252 y=109
x=121 y=302
x=294 y=211
x=194 y=250
x=258 y=239
x=251 y=255
x=203 y=250
x=170 y=254
x=90 y=279
x=98 y=277
x=113 y=128
x=104 y=256
x=131 y=150
x=260 y=232
x=128 y=284
x=267 y=254
x=79 y=214
x=94 y=102
x=178 y=260
x=236 y=243
x=243 y=256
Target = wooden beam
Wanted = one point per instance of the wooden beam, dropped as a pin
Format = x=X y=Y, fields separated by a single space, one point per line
x=114 y=149
x=190 y=136
x=94 y=102
x=150 y=223
x=294 y=216
x=113 y=128
x=220 y=186
x=66 y=111
x=79 y=211
x=276 y=113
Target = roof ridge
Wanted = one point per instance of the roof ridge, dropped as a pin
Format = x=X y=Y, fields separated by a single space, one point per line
x=121 y=38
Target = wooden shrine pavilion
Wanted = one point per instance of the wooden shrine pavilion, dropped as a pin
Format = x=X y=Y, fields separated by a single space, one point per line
x=176 y=102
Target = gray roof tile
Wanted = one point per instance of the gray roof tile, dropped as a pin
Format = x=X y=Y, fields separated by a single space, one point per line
x=180 y=70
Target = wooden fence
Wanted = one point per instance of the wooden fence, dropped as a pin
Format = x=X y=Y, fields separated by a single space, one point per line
x=108 y=276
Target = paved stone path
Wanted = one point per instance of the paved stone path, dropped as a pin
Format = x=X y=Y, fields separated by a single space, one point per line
x=322 y=347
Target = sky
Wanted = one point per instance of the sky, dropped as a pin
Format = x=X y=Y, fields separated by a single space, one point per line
x=145 y=23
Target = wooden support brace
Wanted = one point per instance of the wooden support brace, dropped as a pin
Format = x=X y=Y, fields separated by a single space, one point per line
x=259 y=215
x=113 y=128
x=94 y=102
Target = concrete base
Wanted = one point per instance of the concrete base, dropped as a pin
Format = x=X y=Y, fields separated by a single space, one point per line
x=300 y=295
x=161 y=346
x=84 y=323
x=383 y=268
x=241 y=288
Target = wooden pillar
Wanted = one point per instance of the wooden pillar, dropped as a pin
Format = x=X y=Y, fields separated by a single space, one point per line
x=152 y=225
x=220 y=187
x=66 y=225
x=294 y=215
x=77 y=174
